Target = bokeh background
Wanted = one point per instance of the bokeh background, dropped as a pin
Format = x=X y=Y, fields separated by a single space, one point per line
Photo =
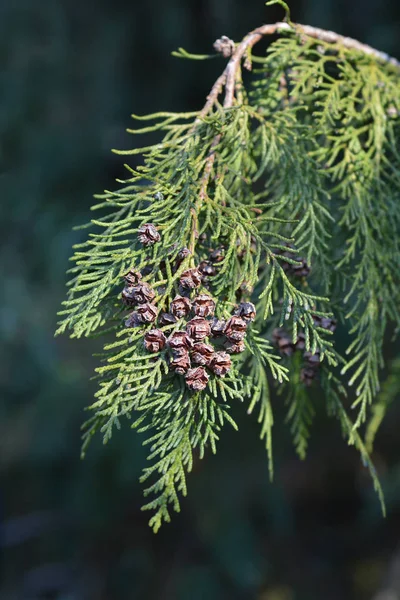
x=70 y=75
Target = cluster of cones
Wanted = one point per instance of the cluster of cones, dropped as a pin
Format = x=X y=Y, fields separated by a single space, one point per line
x=191 y=350
x=192 y=353
x=301 y=269
x=287 y=347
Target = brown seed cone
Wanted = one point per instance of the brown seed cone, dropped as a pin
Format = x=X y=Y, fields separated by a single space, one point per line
x=220 y=363
x=329 y=323
x=137 y=294
x=325 y=322
x=307 y=375
x=202 y=353
x=279 y=333
x=154 y=340
x=133 y=321
x=128 y=297
x=180 y=339
x=301 y=270
x=284 y=342
x=180 y=362
x=217 y=255
x=217 y=327
x=148 y=234
x=234 y=347
x=235 y=329
x=198 y=328
x=246 y=310
x=313 y=360
x=203 y=305
x=197 y=378
x=206 y=268
x=166 y=319
x=286 y=251
x=286 y=346
x=300 y=342
x=182 y=254
x=147 y=313
x=190 y=279
x=132 y=277
x=180 y=306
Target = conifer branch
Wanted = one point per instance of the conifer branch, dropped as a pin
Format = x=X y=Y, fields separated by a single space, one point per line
x=227 y=78
x=221 y=262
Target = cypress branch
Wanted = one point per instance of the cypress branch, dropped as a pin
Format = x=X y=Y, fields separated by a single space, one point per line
x=220 y=267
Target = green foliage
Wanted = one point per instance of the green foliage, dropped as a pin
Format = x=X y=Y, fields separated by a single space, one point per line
x=284 y=6
x=305 y=161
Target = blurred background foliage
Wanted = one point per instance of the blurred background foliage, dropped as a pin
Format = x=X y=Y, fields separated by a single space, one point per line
x=70 y=75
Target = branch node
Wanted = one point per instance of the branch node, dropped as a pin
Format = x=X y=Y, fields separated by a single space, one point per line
x=224 y=46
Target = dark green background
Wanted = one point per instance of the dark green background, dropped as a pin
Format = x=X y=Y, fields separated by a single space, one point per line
x=71 y=72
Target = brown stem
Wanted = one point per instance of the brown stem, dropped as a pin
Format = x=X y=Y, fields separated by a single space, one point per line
x=228 y=76
x=228 y=79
